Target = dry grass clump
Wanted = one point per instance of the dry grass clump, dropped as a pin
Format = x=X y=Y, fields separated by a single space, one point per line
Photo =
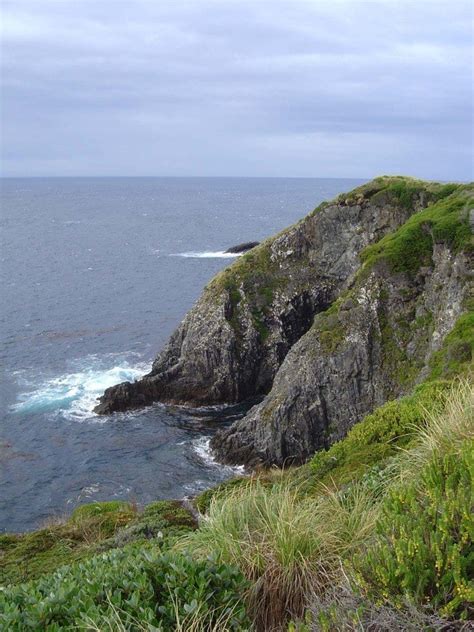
x=341 y=610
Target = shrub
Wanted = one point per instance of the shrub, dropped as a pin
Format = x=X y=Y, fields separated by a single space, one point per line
x=144 y=589
x=424 y=549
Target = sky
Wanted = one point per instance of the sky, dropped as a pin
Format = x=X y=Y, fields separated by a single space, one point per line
x=315 y=88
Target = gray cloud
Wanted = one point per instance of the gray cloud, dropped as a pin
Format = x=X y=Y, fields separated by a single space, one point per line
x=299 y=88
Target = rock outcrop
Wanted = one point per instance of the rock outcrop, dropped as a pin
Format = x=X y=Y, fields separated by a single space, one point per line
x=232 y=342
x=248 y=245
x=374 y=345
x=328 y=319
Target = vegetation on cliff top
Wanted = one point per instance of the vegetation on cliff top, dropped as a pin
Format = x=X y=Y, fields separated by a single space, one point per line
x=446 y=220
x=256 y=276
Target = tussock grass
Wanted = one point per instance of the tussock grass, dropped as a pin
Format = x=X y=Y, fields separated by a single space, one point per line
x=287 y=544
x=442 y=433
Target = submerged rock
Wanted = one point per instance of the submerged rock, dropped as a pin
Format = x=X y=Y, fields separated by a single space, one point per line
x=301 y=320
x=248 y=245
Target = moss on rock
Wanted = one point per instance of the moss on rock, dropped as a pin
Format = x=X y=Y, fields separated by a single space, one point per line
x=411 y=247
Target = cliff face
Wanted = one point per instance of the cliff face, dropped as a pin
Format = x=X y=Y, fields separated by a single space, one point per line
x=231 y=344
x=374 y=346
x=330 y=318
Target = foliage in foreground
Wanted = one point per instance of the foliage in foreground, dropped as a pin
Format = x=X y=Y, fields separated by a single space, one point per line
x=401 y=530
x=137 y=588
x=91 y=529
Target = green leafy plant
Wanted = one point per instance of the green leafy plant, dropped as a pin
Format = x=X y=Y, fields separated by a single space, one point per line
x=424 y=550
x=147 y=590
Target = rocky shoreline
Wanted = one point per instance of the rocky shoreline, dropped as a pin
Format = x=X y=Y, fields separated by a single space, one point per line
x=325 y=321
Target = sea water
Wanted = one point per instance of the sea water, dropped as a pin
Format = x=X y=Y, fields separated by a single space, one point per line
x=96 y=273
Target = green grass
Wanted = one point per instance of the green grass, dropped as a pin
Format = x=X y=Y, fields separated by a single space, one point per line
x=91 y=528
x=411 y=246
x=378 y=436
x=203 y=500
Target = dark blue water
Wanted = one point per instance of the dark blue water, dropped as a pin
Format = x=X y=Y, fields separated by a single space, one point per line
x=93 y=282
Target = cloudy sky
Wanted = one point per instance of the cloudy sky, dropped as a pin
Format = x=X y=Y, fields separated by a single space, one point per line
x=320 y=88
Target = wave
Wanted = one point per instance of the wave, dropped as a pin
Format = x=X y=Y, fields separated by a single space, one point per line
x=202 y=448
x=208 y=255
x=75 y=394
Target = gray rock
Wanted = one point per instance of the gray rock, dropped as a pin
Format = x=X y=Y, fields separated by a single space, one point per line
x=300 y=321
x=352 y=361
x=248 y=245
x=233 y=341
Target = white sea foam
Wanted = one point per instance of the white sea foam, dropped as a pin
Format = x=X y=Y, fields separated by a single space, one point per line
x=75 y=394
x=202 y=448
x=207 y=255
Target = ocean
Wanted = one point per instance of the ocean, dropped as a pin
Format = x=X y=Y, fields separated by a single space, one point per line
x=96 y=273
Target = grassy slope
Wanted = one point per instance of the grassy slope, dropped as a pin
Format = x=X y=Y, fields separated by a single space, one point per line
x=91 y=529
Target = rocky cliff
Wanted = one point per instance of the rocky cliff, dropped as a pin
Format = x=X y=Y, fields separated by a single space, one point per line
x=328 y=319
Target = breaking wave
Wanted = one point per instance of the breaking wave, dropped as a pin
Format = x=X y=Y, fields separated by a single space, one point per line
x=74 y=394
x=202 y=448
x=208 y=255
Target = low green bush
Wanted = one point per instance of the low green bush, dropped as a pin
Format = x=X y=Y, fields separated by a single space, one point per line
x=138 y=588
x=424 y=547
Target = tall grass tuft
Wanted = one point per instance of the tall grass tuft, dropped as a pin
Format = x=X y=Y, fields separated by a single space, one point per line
x=285 y=543
x=444 y=432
